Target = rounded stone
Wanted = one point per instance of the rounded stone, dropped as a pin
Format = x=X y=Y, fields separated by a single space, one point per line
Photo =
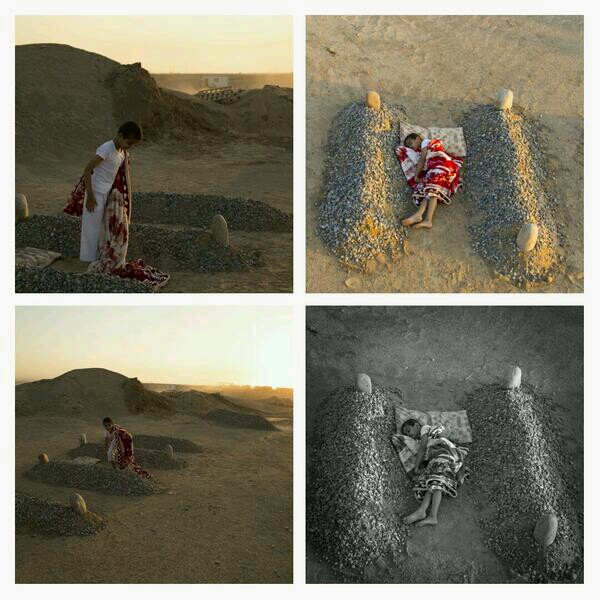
x=373 y=100
x=527 y=237
x=512 y=377
x=43 y=459
x=545 y=529
x=219 y=230
x=363 y=383
x=78 y=504
x=82 y=439
x=21 y=208
x=504 y=101
x=169 y=451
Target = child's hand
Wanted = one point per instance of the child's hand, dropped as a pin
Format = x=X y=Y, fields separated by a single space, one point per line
x=90 y=202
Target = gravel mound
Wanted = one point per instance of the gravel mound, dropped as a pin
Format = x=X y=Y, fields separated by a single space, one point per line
x=188 y=249
x=505 y=174
x=93 y=477
x=519 y=470
x=150 y=459
x=365 y=189
x=48 y=280
x=198 y=210
x=159 y=442
x=230 y=418
x=357 y=491
x=34 y=515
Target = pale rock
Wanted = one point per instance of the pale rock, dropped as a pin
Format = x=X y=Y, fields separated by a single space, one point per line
x=527 y=237
x=21 y=208
x=373 y=100
x=545 y=529
x=169 y=451
x=504 y=101
x=219 y=230
x=512 y=377
x=363 y=383
x=43 y=459
x=78 y=504
x=82 y=439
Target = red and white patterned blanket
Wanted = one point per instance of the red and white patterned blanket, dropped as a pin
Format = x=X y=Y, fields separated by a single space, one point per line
x=114 y=237
x=442 y=172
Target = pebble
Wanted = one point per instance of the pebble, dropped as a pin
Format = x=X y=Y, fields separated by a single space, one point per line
x=527 y=237
x=21 y=208
x=545 y=529
x=373 y=100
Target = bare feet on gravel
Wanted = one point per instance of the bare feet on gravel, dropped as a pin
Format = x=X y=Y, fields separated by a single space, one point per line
x=427 y=521
x=416 y=516
x=424 y=225
x=416 y=218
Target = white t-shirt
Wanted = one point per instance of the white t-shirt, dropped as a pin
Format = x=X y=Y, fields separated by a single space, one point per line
x=425 y=144
x=104 y=174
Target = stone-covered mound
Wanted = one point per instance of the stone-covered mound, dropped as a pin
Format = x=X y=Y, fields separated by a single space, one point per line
x=34 y=515
x=198 y=210
x=518 y=471
x=359 y=217
x=149 y=459
x=159 y=442
x=506 y=175
x=357 y=490
x=93 y=477
x=230 y=418
x=32 y=280
x=161 y=247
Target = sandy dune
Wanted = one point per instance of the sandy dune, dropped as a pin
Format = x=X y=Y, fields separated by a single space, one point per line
x=439 y=67
x=226 y=517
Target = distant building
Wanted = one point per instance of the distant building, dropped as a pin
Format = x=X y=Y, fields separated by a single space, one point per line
x=217 y=81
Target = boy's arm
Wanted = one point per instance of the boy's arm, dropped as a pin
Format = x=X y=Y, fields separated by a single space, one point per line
x=421 y=163
x=90 y=202
x=128 y=181
x=421 y=452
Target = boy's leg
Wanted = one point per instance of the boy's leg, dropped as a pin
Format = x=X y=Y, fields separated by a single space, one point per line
x=421 y=512
x=90 y=229
x=435 y=504
x=416 y=217
x=427 y=222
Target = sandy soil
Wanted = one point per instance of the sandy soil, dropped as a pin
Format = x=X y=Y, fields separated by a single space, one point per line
x=261 y=171
x=226 y=518
x=439 y=67
x=436 y=355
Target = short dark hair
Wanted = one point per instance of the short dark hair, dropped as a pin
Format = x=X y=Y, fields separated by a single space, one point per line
x=409 y=422
x=106 y=420
x=410 y=137
x=130 y=130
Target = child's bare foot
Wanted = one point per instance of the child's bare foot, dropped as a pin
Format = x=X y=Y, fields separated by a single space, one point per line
x=416 y=516
x=424 y=224
x=427 y=521
x=416 y=218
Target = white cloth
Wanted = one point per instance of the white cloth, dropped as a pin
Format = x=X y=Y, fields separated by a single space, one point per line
x=103 y=178
x=425 y=143
x=112 y=445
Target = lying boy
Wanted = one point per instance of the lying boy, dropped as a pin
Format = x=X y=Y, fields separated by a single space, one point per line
x=439 y=470
x=436 y=177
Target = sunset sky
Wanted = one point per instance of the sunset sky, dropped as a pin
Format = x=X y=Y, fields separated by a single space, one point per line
x=183 y=345
x=172 y=44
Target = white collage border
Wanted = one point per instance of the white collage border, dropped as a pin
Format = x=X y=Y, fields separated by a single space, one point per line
x=299 y=299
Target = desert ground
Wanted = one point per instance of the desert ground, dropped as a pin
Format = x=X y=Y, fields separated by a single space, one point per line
x=225 y=518
x=436 y=356
x=192 y=146
x=438 y=67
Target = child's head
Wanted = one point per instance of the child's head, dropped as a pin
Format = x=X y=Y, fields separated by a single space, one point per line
x=108 y=423
x=413 y=140
x=411 y=427
x=129 y=134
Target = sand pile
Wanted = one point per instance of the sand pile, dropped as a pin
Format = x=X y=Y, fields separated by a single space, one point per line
x=46 y=280
x=159 y=442
x=102 y=477
x=518 y=467
x=198 y=210
x=359 y=218
x=149 y=459
x=357 y=490
x=164 y=248
x=34 y=515
x=506 y=176
x=241 y=420
x=201 y=403
x=92 y=393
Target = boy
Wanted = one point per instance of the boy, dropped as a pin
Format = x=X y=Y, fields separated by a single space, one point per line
x=118 y=445
x=99 y=176
x=436 y=178
x=439 y=469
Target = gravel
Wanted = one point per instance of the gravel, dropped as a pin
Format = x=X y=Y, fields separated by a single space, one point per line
x=519 y=473
x=365 y=190
x=150 y=459
x=159 y=442
x=505 y=174
x=357 y=491
x=198 y=210
x=230 y=418
x=49 y=280
x=34 y=515
x=93 y=477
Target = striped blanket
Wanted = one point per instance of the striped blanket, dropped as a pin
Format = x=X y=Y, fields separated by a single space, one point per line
x=442 y=172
